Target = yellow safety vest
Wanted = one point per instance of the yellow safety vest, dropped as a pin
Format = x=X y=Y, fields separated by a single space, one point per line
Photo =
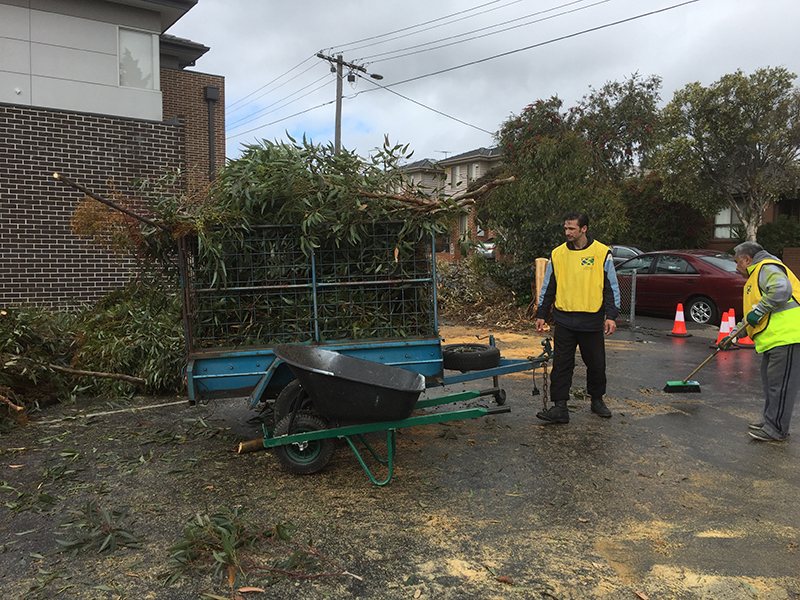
x=775 y=329
x=579 y=277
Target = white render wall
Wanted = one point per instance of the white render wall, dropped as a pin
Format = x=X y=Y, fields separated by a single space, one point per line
x=64 y=54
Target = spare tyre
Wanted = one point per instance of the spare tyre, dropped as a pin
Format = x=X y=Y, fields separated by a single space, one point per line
x=470 y=357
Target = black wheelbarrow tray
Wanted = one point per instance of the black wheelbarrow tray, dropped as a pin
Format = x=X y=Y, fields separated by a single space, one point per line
x=359 y=397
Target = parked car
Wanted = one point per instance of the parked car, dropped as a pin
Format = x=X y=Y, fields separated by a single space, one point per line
x=704 y=281
x=486 y=249
x=622 y=253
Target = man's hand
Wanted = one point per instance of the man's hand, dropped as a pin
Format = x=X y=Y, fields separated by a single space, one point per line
x=726 y=342
x=753 y=317
x=539 y=325
x=611 y=326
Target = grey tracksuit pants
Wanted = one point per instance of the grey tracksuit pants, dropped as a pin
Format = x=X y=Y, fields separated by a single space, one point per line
x=780 y=374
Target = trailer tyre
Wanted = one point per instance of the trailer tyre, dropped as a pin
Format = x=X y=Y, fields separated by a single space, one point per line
x=470 y=357
x=292 y=397
x=303 y=458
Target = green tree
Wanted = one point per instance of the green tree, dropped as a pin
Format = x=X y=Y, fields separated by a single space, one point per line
x=656 y=224
x=735 y=142
x=575 y=159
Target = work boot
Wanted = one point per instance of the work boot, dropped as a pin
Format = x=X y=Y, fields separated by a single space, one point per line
x=558 y=413
x=600 y=409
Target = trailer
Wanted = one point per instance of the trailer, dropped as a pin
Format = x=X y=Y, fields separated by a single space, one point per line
x=373 y=301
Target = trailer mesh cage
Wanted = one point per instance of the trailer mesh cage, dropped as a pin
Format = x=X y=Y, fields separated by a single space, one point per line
x=263 y=290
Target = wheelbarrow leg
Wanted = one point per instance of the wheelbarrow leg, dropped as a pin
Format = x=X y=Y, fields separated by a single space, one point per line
x=388 y=461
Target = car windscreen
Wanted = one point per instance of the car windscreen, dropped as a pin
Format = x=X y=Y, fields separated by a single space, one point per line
x=721 y=261
x=641 y=264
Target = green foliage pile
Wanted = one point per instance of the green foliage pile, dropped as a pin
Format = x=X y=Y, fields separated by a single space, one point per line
x=465 y=282
x=334 y=197
x=781 y=233
x=282 y=203
x=135 y=331
x=657 y=224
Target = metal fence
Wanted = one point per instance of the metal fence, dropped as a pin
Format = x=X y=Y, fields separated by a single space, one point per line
x=273 y=293
x=627 y=298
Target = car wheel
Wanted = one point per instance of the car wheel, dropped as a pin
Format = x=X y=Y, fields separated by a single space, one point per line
x=702 y=310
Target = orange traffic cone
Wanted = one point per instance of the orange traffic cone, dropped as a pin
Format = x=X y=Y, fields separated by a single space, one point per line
x=724 y=329
x=679 y=328
x=745 y=342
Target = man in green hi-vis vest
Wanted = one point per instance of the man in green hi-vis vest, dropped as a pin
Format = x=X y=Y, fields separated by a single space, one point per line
x=771 y=302
x=580 y=284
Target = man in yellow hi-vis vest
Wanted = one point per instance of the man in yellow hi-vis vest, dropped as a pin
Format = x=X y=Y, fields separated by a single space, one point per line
x=580 y=283
x=771 y=303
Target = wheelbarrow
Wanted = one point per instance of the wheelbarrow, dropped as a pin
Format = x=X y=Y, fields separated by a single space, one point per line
x=350 y=397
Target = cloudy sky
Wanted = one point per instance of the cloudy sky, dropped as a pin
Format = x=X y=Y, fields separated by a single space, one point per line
x=454 y=70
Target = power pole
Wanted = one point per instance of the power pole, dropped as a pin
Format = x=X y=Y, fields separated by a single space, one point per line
x=337 y=66
x=337 y=140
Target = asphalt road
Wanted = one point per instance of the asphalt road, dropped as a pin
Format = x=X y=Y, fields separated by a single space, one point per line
x=668 y=499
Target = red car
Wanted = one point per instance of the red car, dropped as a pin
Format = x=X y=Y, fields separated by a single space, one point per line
x=704 y=281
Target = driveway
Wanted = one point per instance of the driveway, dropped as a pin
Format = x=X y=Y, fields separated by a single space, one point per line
x=668 y=499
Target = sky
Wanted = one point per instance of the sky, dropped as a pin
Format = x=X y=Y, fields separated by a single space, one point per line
x=454 y=71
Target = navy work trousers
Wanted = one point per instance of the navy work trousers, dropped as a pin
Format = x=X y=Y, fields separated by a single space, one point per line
x=593 y=353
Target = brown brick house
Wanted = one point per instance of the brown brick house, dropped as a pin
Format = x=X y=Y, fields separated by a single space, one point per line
x=92 y=89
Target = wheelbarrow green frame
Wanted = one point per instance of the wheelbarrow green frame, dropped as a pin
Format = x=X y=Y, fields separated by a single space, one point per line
x=390 y=427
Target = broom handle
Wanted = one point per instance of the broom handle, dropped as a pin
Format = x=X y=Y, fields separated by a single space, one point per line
x=736 y=330
x=702 y=364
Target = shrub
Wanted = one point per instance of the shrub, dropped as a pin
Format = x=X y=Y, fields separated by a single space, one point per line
x=780 y=234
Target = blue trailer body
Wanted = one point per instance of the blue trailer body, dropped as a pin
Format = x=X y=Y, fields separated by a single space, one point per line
x=374 y=300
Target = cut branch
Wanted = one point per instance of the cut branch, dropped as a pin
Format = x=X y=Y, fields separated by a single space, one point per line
x=110 y=203
x=10 y=403
x=461 y=199
x=80 y=373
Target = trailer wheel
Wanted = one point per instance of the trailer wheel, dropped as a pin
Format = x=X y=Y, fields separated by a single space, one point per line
x=303 y=458
x=292 y=397
x=470 y=357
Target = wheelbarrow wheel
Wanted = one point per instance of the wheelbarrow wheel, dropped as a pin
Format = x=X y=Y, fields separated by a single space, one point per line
x=292 y=397
x=470 y=357
x=303 y=458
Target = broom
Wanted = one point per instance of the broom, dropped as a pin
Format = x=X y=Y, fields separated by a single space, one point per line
x=689 y=387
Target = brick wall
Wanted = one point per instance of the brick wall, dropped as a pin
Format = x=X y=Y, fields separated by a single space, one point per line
x=183 y=97
x=791 y=258
x=41 y=260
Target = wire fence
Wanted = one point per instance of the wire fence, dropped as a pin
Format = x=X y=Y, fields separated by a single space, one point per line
x=627 y=298
x=272 y=293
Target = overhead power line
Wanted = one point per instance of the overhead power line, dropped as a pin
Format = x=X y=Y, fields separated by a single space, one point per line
x=532 y=46
x=474 y=31
x=346 y=47
x=297 y=114
x=266 y=111
x=270 y=83
x=475 y=62
x=425 y=106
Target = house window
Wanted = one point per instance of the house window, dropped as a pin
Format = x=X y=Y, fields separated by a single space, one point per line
x=137 y=59
x=471 y=176
x=725 y=224
x=463 y=225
